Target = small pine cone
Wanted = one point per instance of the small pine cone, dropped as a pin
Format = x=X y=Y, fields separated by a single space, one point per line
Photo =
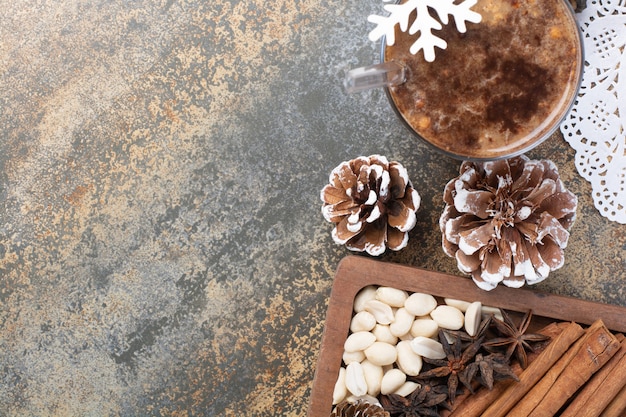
x=507 y=221
x=372 y=204
x=358 y=409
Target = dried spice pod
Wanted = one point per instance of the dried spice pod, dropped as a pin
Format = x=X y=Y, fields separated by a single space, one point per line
x=514 y=337
x=490 y=367
x=452 y=367
x=424 y=401
x=507 y=221
x=372 y=203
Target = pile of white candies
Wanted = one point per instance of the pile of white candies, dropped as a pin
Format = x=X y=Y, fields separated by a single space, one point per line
x=390 y=332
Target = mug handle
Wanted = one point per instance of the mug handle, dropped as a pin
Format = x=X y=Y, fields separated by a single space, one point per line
x=384 y=74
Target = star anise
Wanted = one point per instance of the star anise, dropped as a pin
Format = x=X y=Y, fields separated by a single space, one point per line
x=466 y=338
x=420 y=403
x=454 y=365
x=494 y=365
x=515 y=337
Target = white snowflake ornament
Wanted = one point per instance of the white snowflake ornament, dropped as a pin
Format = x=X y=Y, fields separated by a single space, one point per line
x=424 y=22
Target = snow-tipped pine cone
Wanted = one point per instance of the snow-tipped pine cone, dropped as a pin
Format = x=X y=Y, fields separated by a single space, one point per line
x=507 y=221
x=372 y=204
x=358 y=409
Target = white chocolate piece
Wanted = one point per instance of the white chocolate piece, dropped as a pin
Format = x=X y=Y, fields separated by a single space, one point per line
x=367 y=293
x=349 y=357
x=460 y=304
x=362 y=321
x=407 y=336
x=448 y=317
x=402 y=322
x=473 y=316
x=425 y=327
x=449 y=338
x=381 y=311
x=373 y=377
x=420 y=304
x=408 y=361
x=392 y=381
x=428 y=348
x=359 y=341
x=381 y=353
x=407 y=388
x=340 y=391
x=391 y=296
x=383 y=334
x=355 y=379
x=497 y=313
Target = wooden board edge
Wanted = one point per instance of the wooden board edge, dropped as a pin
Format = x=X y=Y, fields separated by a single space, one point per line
x=355 y=272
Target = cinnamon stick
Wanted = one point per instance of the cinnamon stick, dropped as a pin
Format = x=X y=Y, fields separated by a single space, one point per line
x=474 y=405
x=591 y=399
x=600 y=346
x=535 y=371
x=536 y=394
x=612 y=385
x=617 y=406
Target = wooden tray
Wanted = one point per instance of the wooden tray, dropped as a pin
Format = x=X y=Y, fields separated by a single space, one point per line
x=357 y=272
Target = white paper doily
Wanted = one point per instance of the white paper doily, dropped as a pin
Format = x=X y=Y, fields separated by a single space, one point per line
x=595 y=127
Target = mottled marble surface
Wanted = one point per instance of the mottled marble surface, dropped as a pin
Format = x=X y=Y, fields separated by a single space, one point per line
x=162 y=250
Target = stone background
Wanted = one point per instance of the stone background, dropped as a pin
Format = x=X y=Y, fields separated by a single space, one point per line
x=162 y=250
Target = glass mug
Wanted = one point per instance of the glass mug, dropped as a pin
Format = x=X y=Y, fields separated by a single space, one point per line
x=497 y=90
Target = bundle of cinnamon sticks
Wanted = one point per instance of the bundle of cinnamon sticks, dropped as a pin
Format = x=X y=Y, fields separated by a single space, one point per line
x=581 y=373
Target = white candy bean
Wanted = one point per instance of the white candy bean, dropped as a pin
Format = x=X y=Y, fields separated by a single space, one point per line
x=492 y=310
x=460 y=304
x=381 y=311
x=391 y=296
x=367 y=293
x=428 y=348
x=359 y=341
x=381 y=353
x=357 y=356
x=340 y=391
x=424 y=327
x=449 y=338
x=420 y=304
x=407 y=388
x=392 y=380
x=407 y=336
x=408 y=361
x=373 y=377
x=473 y=316
x=448 y=317
x=355 y=379
x=402 y=322
x=362 y=321
x=383 y=334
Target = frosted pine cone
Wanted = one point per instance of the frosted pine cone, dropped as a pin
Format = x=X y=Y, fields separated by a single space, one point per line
x=507 y=221
x=372 y=203
x=358 y=409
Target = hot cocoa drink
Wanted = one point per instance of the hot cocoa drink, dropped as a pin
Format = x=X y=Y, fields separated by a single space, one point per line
x=498 y=89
